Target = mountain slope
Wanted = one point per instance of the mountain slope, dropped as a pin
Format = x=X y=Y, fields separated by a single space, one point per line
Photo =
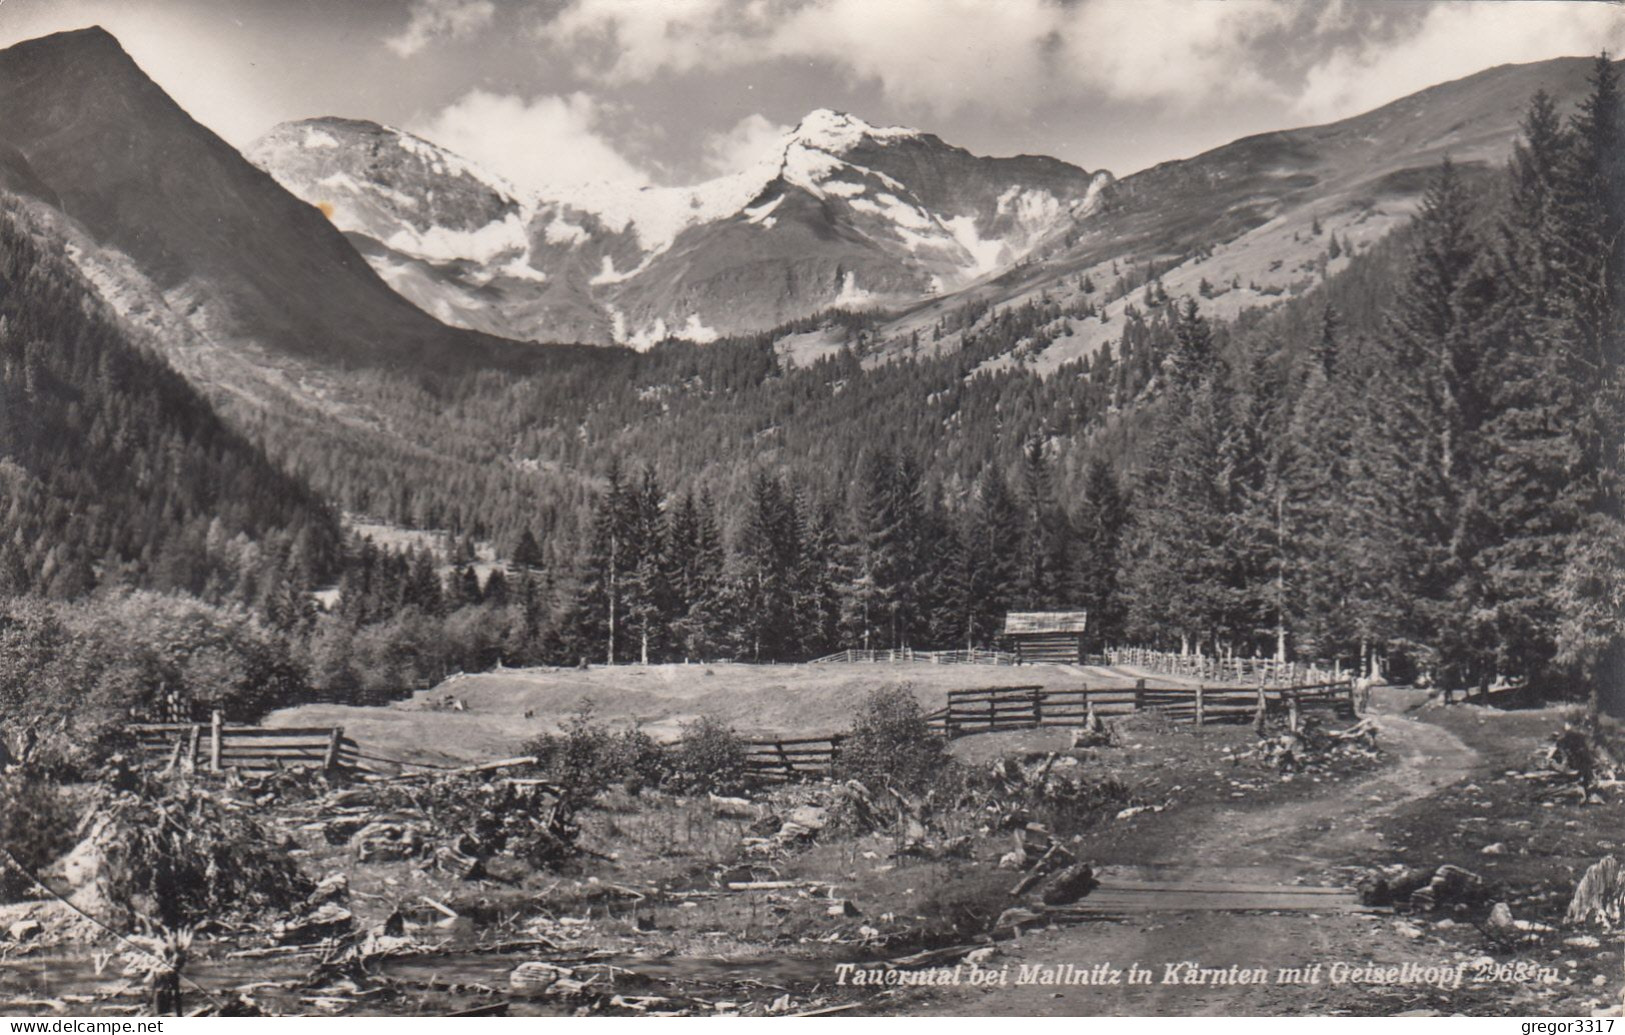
x=113 y=469
x=243 y=258
x=842 y=213
x=1254 y=221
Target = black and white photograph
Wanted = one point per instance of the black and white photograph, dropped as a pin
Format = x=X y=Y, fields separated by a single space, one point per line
x=788 y=508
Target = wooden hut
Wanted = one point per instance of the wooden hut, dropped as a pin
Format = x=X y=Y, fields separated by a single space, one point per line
x=1050 y=636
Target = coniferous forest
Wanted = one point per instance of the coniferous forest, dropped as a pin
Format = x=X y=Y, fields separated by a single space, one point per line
x=1414 y=464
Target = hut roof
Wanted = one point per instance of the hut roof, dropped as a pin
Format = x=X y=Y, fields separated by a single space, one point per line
x=1018 y=623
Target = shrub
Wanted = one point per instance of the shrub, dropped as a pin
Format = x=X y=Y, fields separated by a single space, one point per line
x=710 y=757
x=637 y=760
x=172 y=855
x=891 y=743
x=587 y=757
x=37 y=825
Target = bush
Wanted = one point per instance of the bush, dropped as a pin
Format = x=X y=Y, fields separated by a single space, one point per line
x=710 y=758
x=587 y=757
x=637 y=760
x=72 y=675
x=37 y=825
x=171 y=855
x=891 y=743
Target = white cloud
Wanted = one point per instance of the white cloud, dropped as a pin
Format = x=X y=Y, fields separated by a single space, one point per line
x=749 y=141
x=1004 y=55
x=942 y=55
x=632 y=40
x=543 y=142
x=1179 y=51
x=440 y=19
x=1454 y=40
x=937 y=54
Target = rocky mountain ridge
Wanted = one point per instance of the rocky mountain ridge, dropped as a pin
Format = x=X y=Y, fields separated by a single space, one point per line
x=840 y=214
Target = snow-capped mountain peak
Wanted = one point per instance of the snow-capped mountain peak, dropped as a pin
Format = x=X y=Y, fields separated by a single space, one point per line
x=837 y=132
x=839 y=212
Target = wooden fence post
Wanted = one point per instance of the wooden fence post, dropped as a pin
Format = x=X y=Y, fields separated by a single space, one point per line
x=1038 y=707
x=1263 y=709
x=1201 y=718
x=214 y=741
x=1139 y=694
x=331 y=760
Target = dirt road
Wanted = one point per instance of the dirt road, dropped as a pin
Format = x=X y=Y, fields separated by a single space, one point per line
x=1300 y=842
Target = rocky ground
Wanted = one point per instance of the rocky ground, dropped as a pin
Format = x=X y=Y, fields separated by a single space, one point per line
x=473 y=893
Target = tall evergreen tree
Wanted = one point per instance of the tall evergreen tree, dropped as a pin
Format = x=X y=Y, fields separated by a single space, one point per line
x=1436 y=410
x=1591 y=202
x=1101 y=524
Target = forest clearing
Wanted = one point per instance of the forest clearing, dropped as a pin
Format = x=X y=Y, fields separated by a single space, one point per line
x=596 y=878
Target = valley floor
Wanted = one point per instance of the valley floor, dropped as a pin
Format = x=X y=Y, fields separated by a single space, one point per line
x=705 y=905
x=500 y=710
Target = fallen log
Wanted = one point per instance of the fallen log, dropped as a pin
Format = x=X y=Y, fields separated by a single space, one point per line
x=440 y=907
x=775 y=885
x=482 y=767
x=1069 y=885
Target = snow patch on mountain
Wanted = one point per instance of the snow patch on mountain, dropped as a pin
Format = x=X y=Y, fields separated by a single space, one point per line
x=608 y=274
x=449 y=163
x=984 y=254
x=851 y=296
x=762 y=214
x=652 y=334
x=837 y=132
x=503 y=238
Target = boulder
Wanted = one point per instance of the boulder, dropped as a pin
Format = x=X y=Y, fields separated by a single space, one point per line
x=535 y=978
x=767 y=826
x=733 y=808
x=387 y=842
x=812 y=817
x=1501 y=917
x=1016 y=916
x=333 y=888
x=329 y=921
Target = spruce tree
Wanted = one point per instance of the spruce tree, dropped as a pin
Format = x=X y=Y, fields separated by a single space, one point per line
x=1436 y=407
x=1101 y=524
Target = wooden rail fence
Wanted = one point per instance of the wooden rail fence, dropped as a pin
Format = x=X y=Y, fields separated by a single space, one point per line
x=1246 y=671
x=906 y=655
x=218 y=747
x=793 y=758
x=258 y=749
x=1026 y=707
x=992 y=709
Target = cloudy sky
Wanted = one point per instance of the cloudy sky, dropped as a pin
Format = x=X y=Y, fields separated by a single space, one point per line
x=673 y=91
